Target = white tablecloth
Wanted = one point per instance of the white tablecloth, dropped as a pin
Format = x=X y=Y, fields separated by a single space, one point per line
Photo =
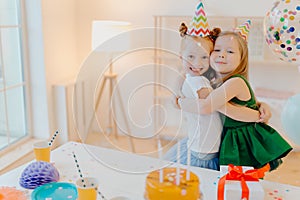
x=123 y=174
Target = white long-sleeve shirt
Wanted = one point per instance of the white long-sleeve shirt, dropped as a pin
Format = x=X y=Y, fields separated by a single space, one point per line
x=204 y=131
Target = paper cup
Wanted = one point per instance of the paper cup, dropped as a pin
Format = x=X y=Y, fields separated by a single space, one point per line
x=87 y=189
x=42 y=151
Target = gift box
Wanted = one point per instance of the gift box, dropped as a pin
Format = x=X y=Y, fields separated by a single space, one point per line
x=240 y=182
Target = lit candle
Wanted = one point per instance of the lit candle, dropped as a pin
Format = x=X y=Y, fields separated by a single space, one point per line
x=188 y=164
x=178 y=164
x=161 y=173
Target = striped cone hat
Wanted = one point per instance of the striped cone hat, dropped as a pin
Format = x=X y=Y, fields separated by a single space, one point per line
x=244 y=29
x=199 y=25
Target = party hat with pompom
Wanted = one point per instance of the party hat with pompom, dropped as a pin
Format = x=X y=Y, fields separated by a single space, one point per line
x=244 y=29
x=199 y=25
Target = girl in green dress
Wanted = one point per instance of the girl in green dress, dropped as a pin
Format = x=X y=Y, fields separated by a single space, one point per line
x=244 y=143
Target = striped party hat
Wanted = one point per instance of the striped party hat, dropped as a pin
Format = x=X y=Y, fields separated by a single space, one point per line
x=199 y=25
x=244 y=29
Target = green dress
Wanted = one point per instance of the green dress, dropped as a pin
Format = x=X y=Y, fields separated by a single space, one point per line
x=250 y=143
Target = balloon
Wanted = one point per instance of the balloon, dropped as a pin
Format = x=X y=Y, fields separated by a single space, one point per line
x=290 y=118
x=282 y=30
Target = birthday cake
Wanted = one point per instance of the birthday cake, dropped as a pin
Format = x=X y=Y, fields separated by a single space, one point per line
x=168 y=189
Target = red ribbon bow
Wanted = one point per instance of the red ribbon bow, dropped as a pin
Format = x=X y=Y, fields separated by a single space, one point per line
x=236 y=173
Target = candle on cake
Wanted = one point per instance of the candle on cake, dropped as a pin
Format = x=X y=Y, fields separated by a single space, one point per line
x=161 y=173
x=188 y=164
x=178 y=164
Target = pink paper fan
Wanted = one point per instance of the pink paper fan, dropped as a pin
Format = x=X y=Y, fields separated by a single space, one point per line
x=8 y=193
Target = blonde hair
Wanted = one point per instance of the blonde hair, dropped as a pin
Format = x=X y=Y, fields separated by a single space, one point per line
x=242 y=68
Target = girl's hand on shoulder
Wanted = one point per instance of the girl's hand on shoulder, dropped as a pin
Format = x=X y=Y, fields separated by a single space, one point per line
x=177 y=102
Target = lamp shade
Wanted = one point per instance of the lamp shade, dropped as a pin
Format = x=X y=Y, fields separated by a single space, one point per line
x=105 y=30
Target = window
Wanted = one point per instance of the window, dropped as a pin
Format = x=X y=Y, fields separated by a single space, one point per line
x=13 y=120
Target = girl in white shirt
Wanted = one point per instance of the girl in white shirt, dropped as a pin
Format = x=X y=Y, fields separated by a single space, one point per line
x=204 y=131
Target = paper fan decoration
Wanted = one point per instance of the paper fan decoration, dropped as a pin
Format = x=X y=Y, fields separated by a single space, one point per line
x=244 y=29
x=199 y=25
x=37 y=174
x=9 y=193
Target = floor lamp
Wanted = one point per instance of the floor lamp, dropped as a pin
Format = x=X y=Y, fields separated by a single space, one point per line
x=104 y=31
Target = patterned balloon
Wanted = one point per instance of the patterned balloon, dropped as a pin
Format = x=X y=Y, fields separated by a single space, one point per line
x=37 y=174
x=282 y=30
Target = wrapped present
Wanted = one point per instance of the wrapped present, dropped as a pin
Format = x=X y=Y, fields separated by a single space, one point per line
x=241 y=182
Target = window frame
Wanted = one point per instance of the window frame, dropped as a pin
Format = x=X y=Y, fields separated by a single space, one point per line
x=22 y=36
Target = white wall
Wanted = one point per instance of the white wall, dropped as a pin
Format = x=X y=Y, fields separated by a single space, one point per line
x=141 y=12
x=52 y=43
x=60 y=50
x=38 y=90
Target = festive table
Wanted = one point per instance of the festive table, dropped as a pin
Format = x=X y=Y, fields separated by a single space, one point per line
x=123 y=174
